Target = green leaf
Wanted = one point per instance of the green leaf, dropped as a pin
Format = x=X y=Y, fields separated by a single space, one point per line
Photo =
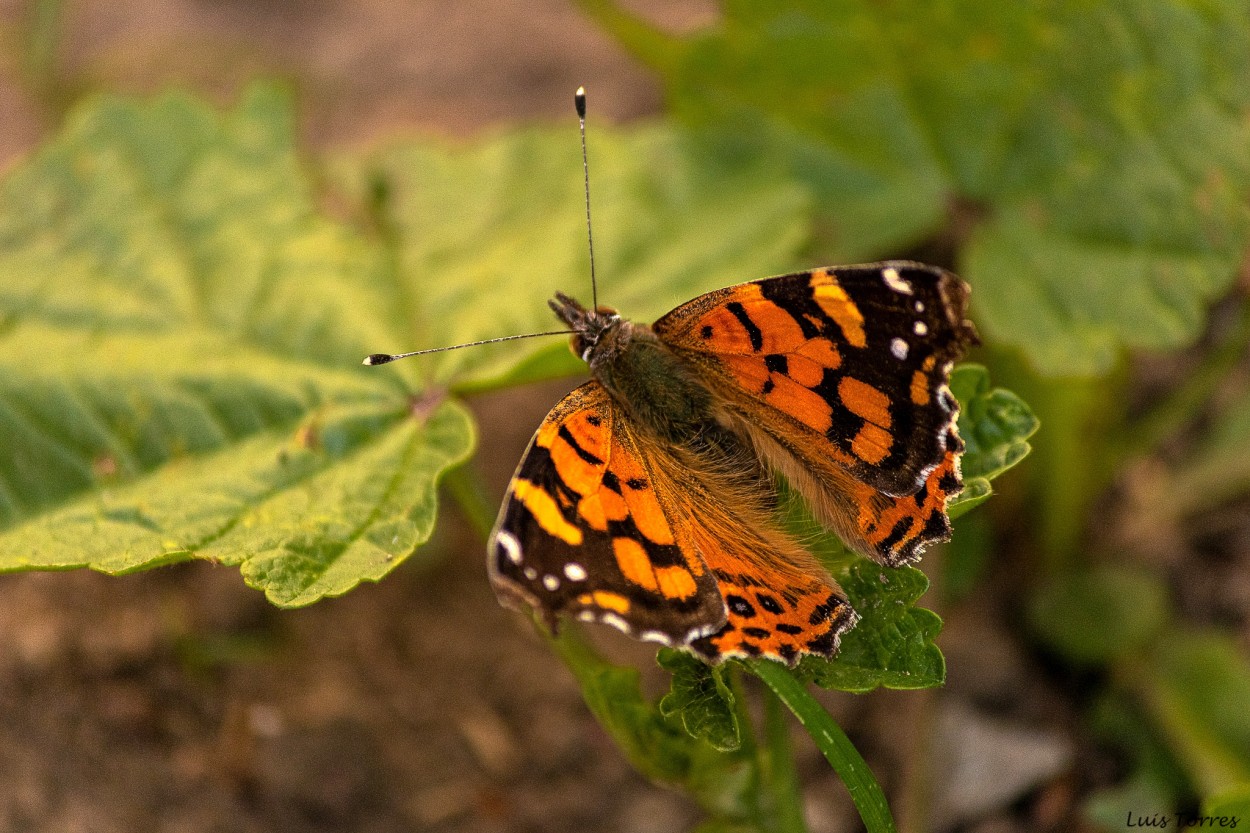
x=484 y=235
x=180 y=334
x=1092 y=155
x=1196 y=692
x=892 y=645
x=1096 y=615
x=702 y=699
x=810 y=86
x=995 y=425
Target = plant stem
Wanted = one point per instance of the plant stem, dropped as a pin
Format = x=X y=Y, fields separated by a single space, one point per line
x=833 y=743
x=780 y=776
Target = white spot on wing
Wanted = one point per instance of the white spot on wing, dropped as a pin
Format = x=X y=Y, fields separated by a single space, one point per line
x=655 y=636
x=701 y=631
x=616 y=622
x=511 y=547
x=551 y=582
x=920 y=328
x=893 y=280
x=574 y=571
x=920 y=306
x=899 y=348
x=531 y=573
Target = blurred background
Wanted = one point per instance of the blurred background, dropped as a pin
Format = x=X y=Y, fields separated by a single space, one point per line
x=1096 y=624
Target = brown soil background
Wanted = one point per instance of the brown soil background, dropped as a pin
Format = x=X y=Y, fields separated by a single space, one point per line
x=178 y=701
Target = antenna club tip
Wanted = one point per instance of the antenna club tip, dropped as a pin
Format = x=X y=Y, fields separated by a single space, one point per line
x=579 y=100
x=377 y=358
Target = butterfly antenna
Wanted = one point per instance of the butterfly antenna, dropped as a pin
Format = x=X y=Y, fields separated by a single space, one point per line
x=579 y=100
x=384 y=358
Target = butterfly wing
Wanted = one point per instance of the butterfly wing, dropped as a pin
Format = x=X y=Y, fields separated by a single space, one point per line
x=840 y=378
x=583 y=532
x=605 y=524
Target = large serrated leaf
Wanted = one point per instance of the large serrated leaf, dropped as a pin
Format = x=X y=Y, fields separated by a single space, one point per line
x=179 y=356
x=1099 y=149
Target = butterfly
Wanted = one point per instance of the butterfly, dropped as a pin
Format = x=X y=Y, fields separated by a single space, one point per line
x=647 y=499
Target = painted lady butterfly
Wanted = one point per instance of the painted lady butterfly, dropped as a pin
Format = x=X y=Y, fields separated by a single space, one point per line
x=646 y=499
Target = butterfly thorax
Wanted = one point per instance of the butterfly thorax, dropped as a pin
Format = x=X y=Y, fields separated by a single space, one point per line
x=658 y=390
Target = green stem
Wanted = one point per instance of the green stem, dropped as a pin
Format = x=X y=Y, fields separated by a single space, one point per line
x=1071 y=413
x=779 y=775
x=833 y=743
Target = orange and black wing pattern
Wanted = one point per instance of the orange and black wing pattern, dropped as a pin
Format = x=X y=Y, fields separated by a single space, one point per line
x=604 y=524
x=583 y=532
x=840 y=377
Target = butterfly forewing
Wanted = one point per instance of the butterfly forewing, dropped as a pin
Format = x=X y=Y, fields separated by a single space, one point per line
x=584 y=531
x=664 y=542
x=840 y=377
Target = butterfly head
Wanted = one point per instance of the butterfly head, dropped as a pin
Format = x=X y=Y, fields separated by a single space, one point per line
x=596 y=332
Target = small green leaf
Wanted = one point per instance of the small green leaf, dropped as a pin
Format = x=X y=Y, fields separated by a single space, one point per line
x=995 y=425
x=701 y=698
x=1096 y=615
x=892 y=645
